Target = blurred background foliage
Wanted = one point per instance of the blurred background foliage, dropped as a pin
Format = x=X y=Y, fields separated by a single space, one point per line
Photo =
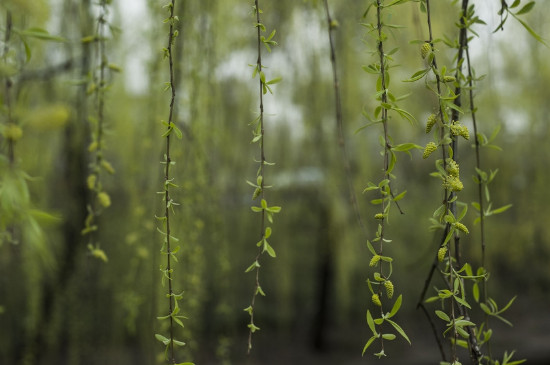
x=59 y=305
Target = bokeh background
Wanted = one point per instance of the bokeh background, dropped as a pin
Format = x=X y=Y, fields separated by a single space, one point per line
x=59 y=305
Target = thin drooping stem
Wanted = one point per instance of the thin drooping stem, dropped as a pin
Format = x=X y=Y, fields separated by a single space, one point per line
x=447 y=197
x=7 y=88
x=94 y=179
x=480 y=187
x=434 y=330
x=257 y=286
x=167 y=179
x=339 y=121
x=387 y=145
x=100 y=94
x=475 y=353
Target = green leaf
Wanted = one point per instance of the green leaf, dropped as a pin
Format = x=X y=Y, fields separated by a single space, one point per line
x=395 y=307
x=508 y=305
x=526 y=8
x=369 y=342
x=370 y=322
x=253 y=328
x=502 y=209
x=406 y=147
x=475 y=292
x=371 y=249
x=274 y=81
x=417 y=75
x=462 y=302
x=389 y=336
x=260 y=291
x=177 y=131
x=253 y=266
x=274 y=209
x=178 y=321
x=399 y=329
x=41 y=34
x=400 y=196
x=485 y=308
x=178 y=343
x=462 y=332
x=162 y=339
x=530 y=30
x=269 y=249
x=464 y=323
x=442 y=315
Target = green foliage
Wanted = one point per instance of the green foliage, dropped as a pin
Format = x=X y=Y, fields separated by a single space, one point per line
x=387 y=102
x=168 y=248
x=265 y=211
x=92 y=164
x=98 y=87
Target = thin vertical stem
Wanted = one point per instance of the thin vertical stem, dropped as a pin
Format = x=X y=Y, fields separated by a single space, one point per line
x=7 y=88
x=387 y=146
x=447 y=197
x=339 y=121
x=262 y=183
x=480 y=187
x=167 y=178
x=100 y=94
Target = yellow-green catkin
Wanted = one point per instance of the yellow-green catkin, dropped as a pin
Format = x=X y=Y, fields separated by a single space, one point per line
x=389 y=288
x=458 y=129
x=441 y=254
x=432 y=119
x=91 y=181
x=430 y=147
x=464 y=132
x=453 y=183
x=104 y=199
x=376 y=300
x=452 y=168
x=13 y=132
x=108 y=167
x=379 y=216
x=462 y=227
x=374 y=260
x=425 y=50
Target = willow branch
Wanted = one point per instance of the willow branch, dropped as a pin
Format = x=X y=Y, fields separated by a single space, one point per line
x=339 y=121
